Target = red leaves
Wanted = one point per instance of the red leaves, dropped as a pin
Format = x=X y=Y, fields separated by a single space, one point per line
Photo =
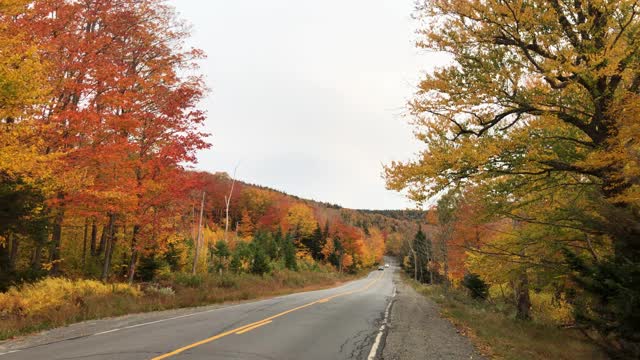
x=120 y=108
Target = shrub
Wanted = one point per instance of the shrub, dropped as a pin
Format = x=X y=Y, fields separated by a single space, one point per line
x=227 y=281
x=48 y=293
x=157 y=290
x=148 y=268
x=476 y=286
x=188 y=280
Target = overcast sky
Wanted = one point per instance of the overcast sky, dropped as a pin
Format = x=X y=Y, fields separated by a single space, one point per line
x=309 y=96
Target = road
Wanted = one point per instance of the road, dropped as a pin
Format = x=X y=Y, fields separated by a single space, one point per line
x=338 y=323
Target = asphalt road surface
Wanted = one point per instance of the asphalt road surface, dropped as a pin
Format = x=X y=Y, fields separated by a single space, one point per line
x=339 y=323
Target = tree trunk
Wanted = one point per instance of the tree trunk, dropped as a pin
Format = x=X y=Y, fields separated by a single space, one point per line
x=198 y=238
x=445 y=257
x=415 y=265
x=36 y=259
x=4 y=257
x=523 y=301
x=56 y=242
x=94 y=237
x=84 y=243
x=227 y=203
x=103 y=239
x=13 y=255
x=108 y=249
x=134 y=253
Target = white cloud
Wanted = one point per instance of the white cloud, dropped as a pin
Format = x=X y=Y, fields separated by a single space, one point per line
x=308 y=95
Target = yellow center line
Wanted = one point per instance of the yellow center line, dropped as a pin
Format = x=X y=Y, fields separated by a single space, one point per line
x=253 y=325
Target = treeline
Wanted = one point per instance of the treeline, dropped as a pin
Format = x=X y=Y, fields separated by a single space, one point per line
x=531 y=137
x=99 y=124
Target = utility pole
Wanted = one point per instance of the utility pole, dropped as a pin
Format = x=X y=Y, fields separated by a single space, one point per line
x=198 y=238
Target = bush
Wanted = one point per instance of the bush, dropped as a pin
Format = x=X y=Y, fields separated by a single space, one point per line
x=157 y=290
x=49 y=293
x=148 y=268
x=476 y=286
x=227 y=281
x=188 y=280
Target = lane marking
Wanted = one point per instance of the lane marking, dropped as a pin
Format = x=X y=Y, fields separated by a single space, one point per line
x=253 y=327
x=376 y=343
x=269 y=319
x=108 y=331
x=9 y=352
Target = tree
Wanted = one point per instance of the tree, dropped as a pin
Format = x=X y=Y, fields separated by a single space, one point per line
x=246 y=227
x=260 y=261
x=300 y=220
x=222 y=252
x=423 y=255
x=289 y=253
x=476 y=286
x=536 y=98
x=316 y=243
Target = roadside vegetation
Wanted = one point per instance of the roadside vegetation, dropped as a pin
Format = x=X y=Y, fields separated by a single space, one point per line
x=54 y=302
x=491 y=326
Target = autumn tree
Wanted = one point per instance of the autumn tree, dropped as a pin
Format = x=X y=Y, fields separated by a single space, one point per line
x=246 y=227
x=536 y=97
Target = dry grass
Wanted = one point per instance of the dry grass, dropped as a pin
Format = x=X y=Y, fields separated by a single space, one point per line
x=55 y=302
x=499 y=336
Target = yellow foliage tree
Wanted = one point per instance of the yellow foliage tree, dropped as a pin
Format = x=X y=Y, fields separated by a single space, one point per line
x=300 y=219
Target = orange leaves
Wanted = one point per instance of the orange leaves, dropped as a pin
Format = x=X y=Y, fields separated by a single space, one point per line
x=246 y=227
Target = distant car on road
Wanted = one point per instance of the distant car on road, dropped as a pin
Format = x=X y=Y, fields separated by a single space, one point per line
x=386 y=265
x=380 y=267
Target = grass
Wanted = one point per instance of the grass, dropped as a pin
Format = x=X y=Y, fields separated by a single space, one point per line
x=498 y=335
x=55 y=302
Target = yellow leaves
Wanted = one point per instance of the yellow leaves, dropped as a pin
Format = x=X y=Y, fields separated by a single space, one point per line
x=328 y=249
x=22 y=73
x=300 y=218
x=30 y=299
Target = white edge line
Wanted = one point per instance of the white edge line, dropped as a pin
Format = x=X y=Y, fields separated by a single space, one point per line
x=9 y=352
x=163 y=320
x=376 y=343
x=108 y=331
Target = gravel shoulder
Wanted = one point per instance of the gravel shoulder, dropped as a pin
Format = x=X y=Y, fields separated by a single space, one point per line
x=417 y=331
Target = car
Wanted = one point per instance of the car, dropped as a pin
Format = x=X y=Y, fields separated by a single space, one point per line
x=386 y=265
x=380 y=267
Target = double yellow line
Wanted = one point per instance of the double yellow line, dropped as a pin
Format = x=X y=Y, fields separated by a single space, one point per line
x=246 y=328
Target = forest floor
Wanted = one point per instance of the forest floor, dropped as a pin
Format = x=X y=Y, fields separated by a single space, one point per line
x=18 y=318
x=497 y=335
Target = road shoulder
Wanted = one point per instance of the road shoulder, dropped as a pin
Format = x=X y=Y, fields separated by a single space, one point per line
x=418 y=331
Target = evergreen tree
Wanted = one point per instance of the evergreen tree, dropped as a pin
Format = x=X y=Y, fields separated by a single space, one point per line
x=289 y=251
x=423 y=250
x=147 y=267
x=316 y=243
x=222 y=252
x=278 y=245
x=260 y=262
